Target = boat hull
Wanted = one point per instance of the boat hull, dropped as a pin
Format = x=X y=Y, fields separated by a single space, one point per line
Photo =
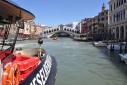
x=123 y=57
x=44 y=74
x=116 y=47
x=99 y=44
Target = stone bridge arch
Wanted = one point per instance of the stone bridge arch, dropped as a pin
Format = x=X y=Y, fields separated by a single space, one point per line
x=51 y=32
x=62 y=32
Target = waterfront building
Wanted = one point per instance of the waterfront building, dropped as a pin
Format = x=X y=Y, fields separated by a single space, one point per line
x=82 y=26
x=118 y=19
x=103 y=23
x=98 y=25
x=29 y=28
x=39 y=29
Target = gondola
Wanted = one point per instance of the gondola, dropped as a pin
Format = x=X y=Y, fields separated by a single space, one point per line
x=22 y=66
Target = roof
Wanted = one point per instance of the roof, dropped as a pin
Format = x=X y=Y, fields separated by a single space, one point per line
x=12 y=9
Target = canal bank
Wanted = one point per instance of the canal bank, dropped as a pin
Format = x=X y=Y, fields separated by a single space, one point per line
x=80 y=63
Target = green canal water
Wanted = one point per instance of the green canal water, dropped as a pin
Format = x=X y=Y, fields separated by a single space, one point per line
x=80 y=63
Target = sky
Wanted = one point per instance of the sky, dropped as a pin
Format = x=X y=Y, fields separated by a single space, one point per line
x=55 y=12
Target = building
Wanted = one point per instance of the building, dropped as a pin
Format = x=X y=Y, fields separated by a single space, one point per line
x=31 y=29
x=98 y=25
x=39 y=29
x=118 y=19
x=82 y=26
x=103 y=23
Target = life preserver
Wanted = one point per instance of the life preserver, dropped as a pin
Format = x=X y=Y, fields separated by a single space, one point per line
x=11 y=75
x=5 y=74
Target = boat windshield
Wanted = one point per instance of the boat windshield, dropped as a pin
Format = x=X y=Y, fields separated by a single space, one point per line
x=9 y=32
x=12 y=19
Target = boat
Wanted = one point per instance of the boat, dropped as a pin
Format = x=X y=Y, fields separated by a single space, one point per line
x=54 y=38
x=32 y=66
x=116 y=46
x=80 y=37
x=99 y=44
x=123 y=57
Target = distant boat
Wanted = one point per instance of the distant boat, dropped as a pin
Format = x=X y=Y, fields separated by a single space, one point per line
x=80 y=39
x=55 y=38
x=99 y=44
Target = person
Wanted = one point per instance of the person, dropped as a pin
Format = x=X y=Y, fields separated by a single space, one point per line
x=40 y=42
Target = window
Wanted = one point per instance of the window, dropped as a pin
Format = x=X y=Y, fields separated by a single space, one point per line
x=111 y=7
x=117 y=4
x=124 y=14
x=117 y=16
x=114 y=18
x=114 y=5
x=121 y=2
x=106 y=12
x=99 y=20
x=124 y=1
x=102 y=19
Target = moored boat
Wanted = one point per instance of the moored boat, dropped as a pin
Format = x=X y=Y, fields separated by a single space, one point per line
x=99 y=44
x=22 y=66
x=123 y=57
x=116 y=46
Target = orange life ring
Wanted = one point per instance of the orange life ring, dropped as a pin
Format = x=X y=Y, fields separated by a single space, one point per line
x=11 y=75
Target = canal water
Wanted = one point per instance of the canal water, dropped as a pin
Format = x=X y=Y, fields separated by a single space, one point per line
x=80 y=63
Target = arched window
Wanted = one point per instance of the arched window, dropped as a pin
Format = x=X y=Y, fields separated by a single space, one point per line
x=122 y=33
x=117 y=33
x=126 y=33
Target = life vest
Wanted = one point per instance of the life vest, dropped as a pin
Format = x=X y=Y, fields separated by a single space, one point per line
x=11 y=75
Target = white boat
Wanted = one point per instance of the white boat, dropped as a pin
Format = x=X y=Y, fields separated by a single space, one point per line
x=99 y=44
x=123 y=57
x=116 y=47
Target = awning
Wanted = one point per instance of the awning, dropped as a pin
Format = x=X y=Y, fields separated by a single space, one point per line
x=8 y=8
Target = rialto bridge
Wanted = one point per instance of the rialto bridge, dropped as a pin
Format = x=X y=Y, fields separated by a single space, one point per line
x=53 y=31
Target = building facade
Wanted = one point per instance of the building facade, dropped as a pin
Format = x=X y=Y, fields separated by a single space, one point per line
x=103 y=23
x=98 y=25
x=118 y=19
x=82 y=26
